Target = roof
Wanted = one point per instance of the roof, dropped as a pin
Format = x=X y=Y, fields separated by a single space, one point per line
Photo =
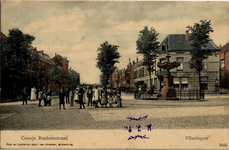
x=2 y=36
x=225 y=48
x=178 y=42
x=58 y=55
x=45 y=57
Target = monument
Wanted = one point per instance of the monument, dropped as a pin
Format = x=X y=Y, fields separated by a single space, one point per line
x=168 y=91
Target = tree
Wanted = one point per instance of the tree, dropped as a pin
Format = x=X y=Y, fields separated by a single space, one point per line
x=107 y=56
x=17 y=54
x=55 y=73
x=147 y=45
x=73 y=79
x=199 y=37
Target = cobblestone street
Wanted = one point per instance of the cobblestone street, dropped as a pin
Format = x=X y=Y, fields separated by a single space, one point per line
x=208 y=114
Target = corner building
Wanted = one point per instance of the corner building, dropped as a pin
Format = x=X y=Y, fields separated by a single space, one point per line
x=186 y=78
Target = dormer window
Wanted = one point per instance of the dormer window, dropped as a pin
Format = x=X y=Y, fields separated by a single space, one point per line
x=163 y=47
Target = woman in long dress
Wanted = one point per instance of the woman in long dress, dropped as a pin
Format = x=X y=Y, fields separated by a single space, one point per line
x=33 y=94
x=104 y=97
x=76 y=98
x=95 y=96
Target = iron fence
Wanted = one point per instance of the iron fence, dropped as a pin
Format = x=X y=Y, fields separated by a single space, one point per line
x=181 y=94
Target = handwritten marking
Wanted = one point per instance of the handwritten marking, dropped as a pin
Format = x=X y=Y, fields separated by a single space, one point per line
x=138 y=126
x=149 y=127
x=136 y=119
x=138 y=136
x=129 y=129
x=83 y=38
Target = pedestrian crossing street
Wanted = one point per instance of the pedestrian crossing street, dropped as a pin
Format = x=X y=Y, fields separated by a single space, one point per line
x=119 y=114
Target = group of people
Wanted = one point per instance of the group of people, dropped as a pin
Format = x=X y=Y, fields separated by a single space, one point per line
x=91 y=96
x=37 y=94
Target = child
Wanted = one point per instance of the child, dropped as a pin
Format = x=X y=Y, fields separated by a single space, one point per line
x=110 y=100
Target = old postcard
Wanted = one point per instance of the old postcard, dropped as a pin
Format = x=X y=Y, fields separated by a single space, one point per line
x=114 y=75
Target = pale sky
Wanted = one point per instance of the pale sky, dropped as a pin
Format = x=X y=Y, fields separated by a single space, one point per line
x=76 y=29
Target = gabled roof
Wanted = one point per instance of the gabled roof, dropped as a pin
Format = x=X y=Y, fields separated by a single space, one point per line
x=225 y=48
x=2 y=36
x=178 y=42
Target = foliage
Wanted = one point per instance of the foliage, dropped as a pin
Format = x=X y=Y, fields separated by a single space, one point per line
x=199 y=36
x=16 y=52
x=55 y=73
x=19 y=62
x=73 y=79
x=147 y=45
x=107 y=56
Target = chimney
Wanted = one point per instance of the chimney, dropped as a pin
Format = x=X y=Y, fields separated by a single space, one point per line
x=187 y=36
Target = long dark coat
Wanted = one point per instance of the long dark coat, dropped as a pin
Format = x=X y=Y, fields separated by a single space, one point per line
x=61 y=97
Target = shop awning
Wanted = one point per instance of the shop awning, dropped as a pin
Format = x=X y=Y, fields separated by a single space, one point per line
x=184 y=80
x=176 y=81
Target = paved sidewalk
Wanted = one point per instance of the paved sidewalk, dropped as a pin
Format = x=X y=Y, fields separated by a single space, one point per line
x=160 y=113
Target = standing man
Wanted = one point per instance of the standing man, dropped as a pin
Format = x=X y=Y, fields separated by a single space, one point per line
x=80 y=95
x=61 y=98
x=24 y=96
x=67 y=95
x=89 y=96
x=40 y=93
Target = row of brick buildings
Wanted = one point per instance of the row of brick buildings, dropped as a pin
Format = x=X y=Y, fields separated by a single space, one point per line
x=214 y=77
x=38 y=73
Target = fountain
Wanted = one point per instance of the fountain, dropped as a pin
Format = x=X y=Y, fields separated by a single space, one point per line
x=168 y=91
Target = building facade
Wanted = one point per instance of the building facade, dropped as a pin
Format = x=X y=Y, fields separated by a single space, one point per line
x=64 y=72
x=184 y=78
x=37 y=69
x=45 y=65
x=224 y=68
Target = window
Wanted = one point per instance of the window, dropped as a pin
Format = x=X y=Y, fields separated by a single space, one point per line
x=222 y=63
x=184 y=83
x=163 y=47
x=180 y=60
x=176 y=83
x=204 y=83
x=141 y=72
x=155 y=82
x=162 y=60
x=135 y=74
x=205 y=64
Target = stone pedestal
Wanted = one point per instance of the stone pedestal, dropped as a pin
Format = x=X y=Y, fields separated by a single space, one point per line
x=168 y=91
